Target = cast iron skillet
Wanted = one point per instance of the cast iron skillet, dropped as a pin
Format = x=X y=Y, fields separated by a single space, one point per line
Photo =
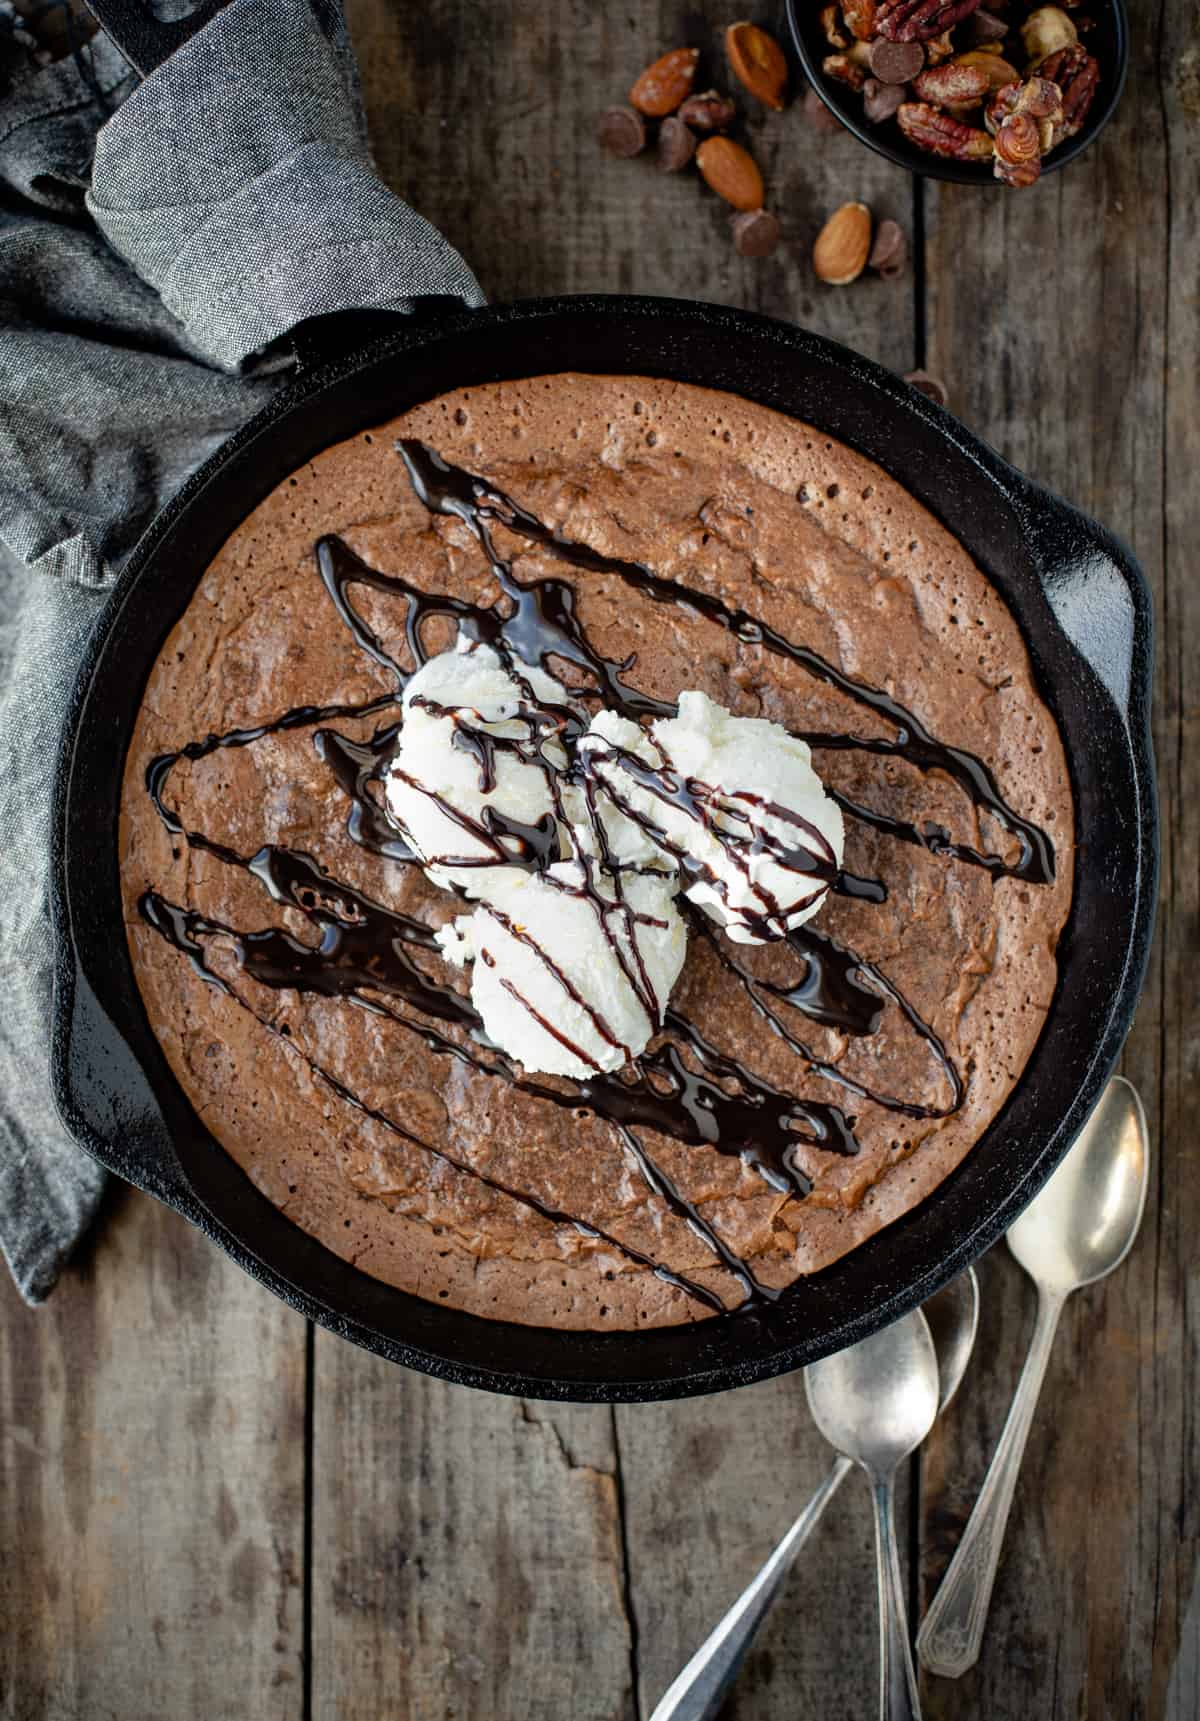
x=1084 y=611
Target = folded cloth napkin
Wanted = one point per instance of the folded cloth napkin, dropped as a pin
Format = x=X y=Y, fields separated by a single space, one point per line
x=156 y=239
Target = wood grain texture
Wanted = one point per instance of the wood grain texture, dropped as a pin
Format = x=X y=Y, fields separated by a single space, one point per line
x=482 y=117
x=1083 y=373
x=710 y=1485
x=151 y=1486
x=466 y=1552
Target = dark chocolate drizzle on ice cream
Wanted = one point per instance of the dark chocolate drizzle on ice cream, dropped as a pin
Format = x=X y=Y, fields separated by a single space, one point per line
x=387 y=962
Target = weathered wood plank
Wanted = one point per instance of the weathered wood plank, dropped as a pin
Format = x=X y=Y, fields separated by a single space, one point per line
x=151 y=1486
x=484 y=122
x=710 y=1486
x=1066 y=321
x=466 y=1552
x=483 y=119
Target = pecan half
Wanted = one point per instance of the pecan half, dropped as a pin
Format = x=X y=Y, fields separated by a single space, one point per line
x=860 y=16
x=921 y=20
x=1077 y=74
x=942 y=134
x=951 y=85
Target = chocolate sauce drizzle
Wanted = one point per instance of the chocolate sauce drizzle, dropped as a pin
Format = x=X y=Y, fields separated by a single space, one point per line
x=368 y=953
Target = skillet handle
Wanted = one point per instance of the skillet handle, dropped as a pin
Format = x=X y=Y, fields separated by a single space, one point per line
x=335 y=335
x=103 y=1095
x=144 y=40
x=1098 y=594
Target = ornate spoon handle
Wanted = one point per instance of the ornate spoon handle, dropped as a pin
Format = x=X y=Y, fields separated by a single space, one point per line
x=697 y=1693
x=952 y=1633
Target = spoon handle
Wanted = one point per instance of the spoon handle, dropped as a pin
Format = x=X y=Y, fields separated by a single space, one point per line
x=898 y=1699
x=697 y=1693
x=952 y=1633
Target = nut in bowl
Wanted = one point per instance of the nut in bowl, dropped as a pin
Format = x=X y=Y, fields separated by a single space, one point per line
x=977 y=136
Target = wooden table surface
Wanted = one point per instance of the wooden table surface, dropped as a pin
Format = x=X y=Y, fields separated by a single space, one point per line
x=209 y=1510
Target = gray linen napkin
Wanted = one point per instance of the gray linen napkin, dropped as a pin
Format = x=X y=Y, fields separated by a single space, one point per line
x=155 y=238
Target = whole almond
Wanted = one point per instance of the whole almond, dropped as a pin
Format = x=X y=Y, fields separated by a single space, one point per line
x=843 y=245
x=757 y=62
x=731 y=172
x=665 y=84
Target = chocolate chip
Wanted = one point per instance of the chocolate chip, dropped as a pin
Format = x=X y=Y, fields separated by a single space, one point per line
x=621 y=132
x=933 y=386
x=818 y=115
x=889 y=251
x=755 y=233
x=676 y=144
x=986 y=28
x=896 y=62
x=880 y=101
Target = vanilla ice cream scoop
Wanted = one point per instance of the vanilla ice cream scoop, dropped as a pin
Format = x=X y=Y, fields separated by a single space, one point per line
x=734 y=801
x=573 y=968
x=472 y=785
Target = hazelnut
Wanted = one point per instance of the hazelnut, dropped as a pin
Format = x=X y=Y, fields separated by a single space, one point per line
x=708 y=112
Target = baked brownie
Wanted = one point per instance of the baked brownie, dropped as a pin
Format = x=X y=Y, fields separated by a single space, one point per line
x=656 y=538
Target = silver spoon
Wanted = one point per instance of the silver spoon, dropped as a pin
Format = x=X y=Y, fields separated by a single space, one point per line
x=875 y=1403
x=698 y=1692
x=1076 y=1229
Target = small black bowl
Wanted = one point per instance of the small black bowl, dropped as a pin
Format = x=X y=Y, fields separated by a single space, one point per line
x=1108 y=41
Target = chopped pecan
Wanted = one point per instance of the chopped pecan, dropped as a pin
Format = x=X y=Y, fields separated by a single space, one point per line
x=1039 y=98
x=860 y=16
x=942 y=134
x=951 y=85
x=939 y=48
x=1077 y=73
x=831 y=23
x=1018 y=174
x=921 y=20
x=843 y=70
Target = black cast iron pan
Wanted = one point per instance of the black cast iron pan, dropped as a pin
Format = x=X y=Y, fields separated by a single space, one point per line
x=1084 y=611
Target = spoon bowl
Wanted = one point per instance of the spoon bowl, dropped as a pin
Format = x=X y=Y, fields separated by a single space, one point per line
x=1082 y=1223
x=953 y=1317
x=698 y=1692
x=1076 y=1230
x=876 y=1401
